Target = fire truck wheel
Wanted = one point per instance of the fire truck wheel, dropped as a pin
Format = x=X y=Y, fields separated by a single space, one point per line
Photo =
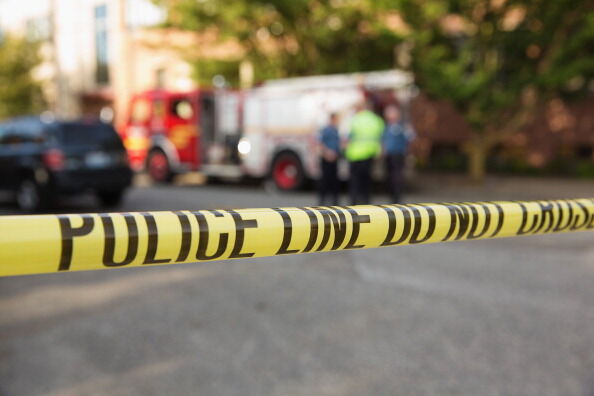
x=287 y=172
x=158 y=167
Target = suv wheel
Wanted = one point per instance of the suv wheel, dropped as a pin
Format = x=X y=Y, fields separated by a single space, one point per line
x=30 y=197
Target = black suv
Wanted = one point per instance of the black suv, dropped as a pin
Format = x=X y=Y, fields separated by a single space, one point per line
x=41 y=159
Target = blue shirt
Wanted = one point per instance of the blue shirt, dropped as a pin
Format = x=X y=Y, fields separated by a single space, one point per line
x=396 y=138
x=329 y=138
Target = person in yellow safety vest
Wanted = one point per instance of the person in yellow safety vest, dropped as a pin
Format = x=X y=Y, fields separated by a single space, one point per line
x=363 y=146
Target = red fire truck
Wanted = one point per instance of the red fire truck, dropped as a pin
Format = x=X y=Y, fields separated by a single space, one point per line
x=266 y=131
x=167 y=133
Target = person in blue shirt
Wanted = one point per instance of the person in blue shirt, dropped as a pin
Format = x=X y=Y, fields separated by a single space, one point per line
x=395 y=141
x=329 y=154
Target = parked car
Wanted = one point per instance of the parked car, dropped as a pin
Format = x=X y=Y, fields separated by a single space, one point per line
x=40 y=160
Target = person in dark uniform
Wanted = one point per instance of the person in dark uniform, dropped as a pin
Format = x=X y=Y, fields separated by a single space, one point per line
x=395 y=141
x=330 y=153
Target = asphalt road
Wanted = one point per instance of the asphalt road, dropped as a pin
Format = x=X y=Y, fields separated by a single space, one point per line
x=502 y=317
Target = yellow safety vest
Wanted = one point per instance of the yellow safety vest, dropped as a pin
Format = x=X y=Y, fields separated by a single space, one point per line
x=365 y=138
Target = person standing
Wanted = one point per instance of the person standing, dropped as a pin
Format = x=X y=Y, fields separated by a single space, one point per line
x=395 y=140
x=330 y=153
x=363 y=146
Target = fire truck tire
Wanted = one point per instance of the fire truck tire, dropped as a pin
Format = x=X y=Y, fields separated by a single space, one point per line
x=158 y=167
x=286 y=172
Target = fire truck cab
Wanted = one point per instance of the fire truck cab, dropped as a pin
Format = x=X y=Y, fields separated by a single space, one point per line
x=168 y=133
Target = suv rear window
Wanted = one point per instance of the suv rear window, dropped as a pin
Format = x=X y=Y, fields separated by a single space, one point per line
x=82 y=134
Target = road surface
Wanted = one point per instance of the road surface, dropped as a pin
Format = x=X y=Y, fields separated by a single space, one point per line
x=500 y=317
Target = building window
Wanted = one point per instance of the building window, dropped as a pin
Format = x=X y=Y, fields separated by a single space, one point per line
x=160 y=78
x=101 y=50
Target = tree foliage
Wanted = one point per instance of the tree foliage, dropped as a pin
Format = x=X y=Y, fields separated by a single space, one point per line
x=294 y=38
x=496 y=60
x=19 y=93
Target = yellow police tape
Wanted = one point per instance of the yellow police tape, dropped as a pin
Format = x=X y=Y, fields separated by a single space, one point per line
x=61 y=243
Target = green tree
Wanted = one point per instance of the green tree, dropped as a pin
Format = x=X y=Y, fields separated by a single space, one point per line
x=292 y=38
x=19 y=93
x=496 y=60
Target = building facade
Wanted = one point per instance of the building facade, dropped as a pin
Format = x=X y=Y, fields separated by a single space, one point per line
x=97 y=53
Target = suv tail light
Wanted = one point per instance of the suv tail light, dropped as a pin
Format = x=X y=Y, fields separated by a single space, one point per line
x=54 y=159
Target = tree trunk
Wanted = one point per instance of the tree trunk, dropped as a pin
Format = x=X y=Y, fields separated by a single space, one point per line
x=477 y=160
